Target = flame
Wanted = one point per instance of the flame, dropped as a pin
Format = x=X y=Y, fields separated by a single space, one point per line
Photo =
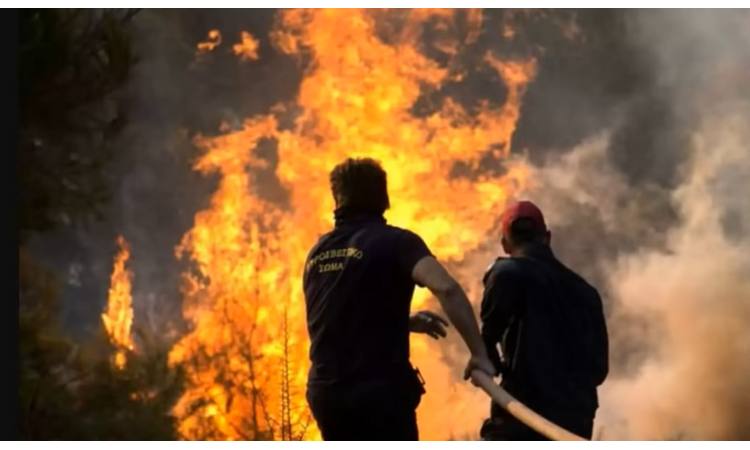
x=213 y=41
x=356 y=99
x=118 y=316
x=247 y=48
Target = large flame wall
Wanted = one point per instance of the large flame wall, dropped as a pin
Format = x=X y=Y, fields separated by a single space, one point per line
x=618 y=139
x=355 y=99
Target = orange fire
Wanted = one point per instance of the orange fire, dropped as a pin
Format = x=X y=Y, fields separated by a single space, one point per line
x=213 y=41
x=118 y=316
x=246 y=355
x=247 y=48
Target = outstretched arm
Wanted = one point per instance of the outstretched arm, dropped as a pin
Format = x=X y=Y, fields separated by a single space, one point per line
x=430 y=273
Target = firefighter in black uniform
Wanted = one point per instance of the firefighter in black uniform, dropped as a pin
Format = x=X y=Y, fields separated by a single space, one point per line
x=358 y=283
x=550 y=326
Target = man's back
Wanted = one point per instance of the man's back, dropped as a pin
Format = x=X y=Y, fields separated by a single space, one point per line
x=358 y=283
x=358 y=290
x=551 y=326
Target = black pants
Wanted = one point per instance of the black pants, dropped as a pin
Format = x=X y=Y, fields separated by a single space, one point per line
x=367 y=411
x=504 y=427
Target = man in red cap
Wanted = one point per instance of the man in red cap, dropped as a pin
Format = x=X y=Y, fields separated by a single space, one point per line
x=549 y=324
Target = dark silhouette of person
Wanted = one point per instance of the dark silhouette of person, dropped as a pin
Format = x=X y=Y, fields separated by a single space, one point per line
x=550 y=327
x=358 y=283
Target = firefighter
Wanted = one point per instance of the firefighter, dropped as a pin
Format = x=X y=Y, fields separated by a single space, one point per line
x=358 y=283
x=549 y=324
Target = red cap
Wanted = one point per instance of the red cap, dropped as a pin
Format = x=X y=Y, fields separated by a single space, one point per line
x=523 y=209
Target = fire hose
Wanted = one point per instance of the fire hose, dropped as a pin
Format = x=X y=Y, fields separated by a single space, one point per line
x=521 y=411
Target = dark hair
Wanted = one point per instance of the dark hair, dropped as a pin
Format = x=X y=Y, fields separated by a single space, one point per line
x=524 y=231
x=359 y=185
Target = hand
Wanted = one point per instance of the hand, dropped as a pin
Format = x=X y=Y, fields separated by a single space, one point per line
x=429 y=323
x=481 y=363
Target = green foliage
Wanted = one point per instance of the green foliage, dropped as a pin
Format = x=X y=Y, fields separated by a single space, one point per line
x=132 y=403
x=73 y=393
x=43 y=351
x=71 y=63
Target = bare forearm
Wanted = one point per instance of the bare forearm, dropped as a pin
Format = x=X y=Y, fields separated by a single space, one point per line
x=429 y=273
x=459 y=311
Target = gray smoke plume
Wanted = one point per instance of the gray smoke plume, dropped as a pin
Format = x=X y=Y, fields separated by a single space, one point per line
x=636 y=128
x=171 y=96
x=663 y=230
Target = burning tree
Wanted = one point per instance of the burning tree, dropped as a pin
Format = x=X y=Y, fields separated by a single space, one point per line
x=233 y=355
x=71 y=391
x=118 y=318
x=245 y=355
x=71 y=63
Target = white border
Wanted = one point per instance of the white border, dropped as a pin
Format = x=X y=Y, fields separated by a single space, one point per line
x=380 y=4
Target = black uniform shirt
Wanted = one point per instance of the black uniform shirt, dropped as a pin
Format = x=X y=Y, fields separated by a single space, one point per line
x=358 y=289
x=551 y=328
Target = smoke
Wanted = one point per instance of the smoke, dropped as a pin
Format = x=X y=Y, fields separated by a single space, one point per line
x=662 y=228
x=696 y=382
x=170 y=97
x=636 y=131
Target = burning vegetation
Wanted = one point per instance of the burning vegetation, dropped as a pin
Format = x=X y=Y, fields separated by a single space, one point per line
x=118 y=317
x=246 y=372
x=438 y=97
x=213 y=40
x=247 y=48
